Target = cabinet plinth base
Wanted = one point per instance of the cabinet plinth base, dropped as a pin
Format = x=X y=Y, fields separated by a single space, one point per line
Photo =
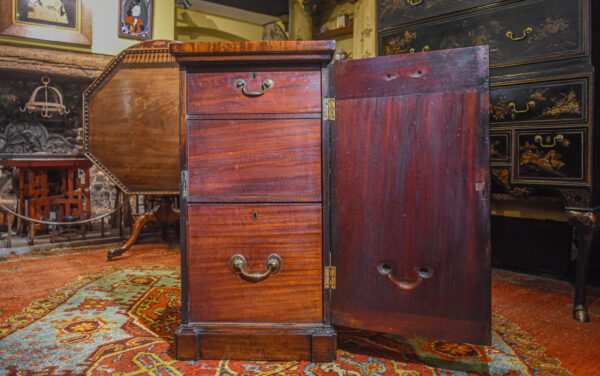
x=316 y=343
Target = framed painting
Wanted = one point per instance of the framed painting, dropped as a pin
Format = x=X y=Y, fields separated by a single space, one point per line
x=67 y=21
x=135 y=19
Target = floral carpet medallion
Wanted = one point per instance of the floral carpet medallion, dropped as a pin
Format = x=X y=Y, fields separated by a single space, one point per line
x=121 y=322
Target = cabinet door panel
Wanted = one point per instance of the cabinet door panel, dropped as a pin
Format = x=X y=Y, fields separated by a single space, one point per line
x=410 y=200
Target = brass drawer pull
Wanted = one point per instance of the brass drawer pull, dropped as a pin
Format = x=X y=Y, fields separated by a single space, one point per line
x=514 y=110
x=238 y=264
x=559 y=138
x=241 y=84
x=414 y=3
x=422 y=272
x=509 y=34
x=424 y=49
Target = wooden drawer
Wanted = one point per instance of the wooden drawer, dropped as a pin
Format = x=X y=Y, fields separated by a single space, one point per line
x=517 y=33
x=543 y=102
x=500 y=146
x=216 y=232
x=217 y=93
x=393 y=12
x=254 y=160
x=557 y=156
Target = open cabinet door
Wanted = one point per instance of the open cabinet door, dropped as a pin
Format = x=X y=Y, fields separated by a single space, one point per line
x=410 y=194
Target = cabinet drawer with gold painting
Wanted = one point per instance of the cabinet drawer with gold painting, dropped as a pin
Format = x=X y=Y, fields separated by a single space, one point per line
x=541 y=102
x=500 y=146
x=517 y=33
x=394 y=12
x=559 y=156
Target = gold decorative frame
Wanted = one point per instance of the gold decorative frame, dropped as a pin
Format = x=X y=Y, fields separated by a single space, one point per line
x=79 y=33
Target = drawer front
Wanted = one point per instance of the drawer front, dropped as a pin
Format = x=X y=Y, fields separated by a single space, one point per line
x=393 y=12
x=544 y=102
x=254 y=160
x=500 y=146
x=221 y=92
x=216 y=232
x=517 y=33
x=552 y=156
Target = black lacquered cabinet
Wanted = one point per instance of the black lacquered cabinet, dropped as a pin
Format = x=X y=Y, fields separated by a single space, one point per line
x=543 y=134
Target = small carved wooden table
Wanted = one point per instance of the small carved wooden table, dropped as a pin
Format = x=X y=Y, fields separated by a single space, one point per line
x=47 y=183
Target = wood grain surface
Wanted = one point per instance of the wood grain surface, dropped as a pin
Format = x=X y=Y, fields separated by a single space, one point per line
x=292 y=91
x=277 y=47
x=133 y=126
x=217 y=232
x=255 y=160
x=411 y=190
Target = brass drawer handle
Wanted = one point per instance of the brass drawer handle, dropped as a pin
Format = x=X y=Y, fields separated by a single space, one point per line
x=424 y=49
x=559 y=138
x=241 y=84
x=414 y=3
x=509 y=34
x=514 y=110
x=238 y=264
x=422 y=272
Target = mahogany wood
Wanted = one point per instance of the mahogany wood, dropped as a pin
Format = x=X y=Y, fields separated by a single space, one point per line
x=395 y=198
x=255 y=188
x=131 y=120
x=194 y=50
x=315 y=343
x=254 y=158
x=409 y=193
x=217 y=232
x=211 y=92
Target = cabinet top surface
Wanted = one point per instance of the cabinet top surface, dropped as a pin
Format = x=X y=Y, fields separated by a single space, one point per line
x=317 y=50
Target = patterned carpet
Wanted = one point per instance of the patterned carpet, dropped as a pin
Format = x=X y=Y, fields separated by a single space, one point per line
x=121 y=322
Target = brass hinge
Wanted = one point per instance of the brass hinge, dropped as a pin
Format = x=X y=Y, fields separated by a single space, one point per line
x=328 y=108
x=329 y=278
x=184 y=184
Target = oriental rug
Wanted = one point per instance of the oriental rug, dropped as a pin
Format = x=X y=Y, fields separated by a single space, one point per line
x=121 y=322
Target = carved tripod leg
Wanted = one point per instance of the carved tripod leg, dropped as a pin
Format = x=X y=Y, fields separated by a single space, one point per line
x=586 y=224
x=135 y=232
x=166 y=215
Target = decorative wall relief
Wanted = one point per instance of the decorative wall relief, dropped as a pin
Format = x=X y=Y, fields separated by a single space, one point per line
x=29 y=138
x=50 y=124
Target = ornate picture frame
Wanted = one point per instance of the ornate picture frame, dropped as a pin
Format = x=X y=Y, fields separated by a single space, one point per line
x=66 y=21
x=135 y=19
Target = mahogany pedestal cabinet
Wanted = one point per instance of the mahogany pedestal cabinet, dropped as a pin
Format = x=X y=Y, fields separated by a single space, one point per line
x=317 y=194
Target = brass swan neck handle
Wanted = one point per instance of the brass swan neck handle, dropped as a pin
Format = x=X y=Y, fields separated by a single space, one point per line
x=238 y=264
x=241 y=84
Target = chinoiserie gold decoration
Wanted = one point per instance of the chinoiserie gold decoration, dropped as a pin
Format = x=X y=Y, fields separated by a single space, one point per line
x=509 y=34
x=566 y=104
x=46 y=107
x=414 y=3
